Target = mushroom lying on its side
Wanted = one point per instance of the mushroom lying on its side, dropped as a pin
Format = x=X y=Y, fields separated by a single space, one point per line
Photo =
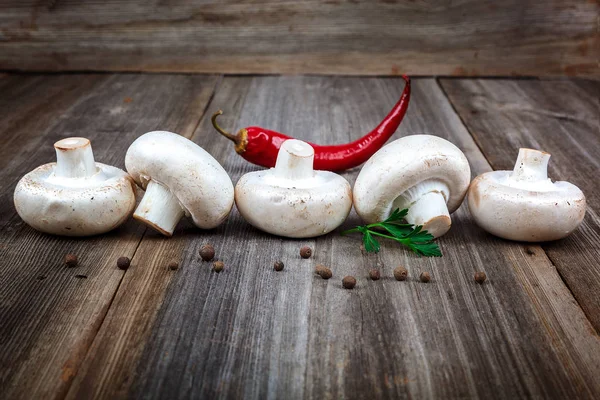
x=524 y=204
x=180 y=178
x=426 y=174
x=292 y=199
x=75 y=196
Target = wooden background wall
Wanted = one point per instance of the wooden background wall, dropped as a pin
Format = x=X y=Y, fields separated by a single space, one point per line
x=386 y=37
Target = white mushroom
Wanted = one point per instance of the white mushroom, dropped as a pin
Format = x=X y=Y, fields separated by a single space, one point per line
x=75 y=196
x=524 y=204
x=180 y=178
x=426 y=174
x=292 y=199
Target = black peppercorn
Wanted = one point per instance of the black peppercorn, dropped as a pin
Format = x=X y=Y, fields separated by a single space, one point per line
x=123 y=263
x=480 y=277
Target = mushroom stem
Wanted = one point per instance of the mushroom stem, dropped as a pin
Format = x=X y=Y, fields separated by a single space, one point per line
x=531 y=165
x=295 y=160
x=74 y=158
x=431 y=212
x=159 y=209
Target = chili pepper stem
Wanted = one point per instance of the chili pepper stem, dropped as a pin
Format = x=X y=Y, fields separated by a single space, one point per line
x=228 y=135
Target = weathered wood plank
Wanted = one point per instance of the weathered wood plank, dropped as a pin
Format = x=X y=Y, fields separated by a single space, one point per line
x=50 y=315
x=253 y=332
x=469 y=37
x=562 y=118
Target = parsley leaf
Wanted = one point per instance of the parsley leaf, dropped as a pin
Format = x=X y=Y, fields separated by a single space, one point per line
x=414 y=237
x=371 y=244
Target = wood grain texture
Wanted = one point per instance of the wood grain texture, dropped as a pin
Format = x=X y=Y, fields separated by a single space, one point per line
x=255 y=333
x=387 y=37
x=50 y=313
x=562 y=118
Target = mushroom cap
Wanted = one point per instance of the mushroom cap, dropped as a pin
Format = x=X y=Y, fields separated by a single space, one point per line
x=75 y=206
x=529 y=212
x=193 y=176
x=299 y=208
x=405 y=163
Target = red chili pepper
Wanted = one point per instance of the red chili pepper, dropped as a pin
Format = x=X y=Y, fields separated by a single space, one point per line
x=260 y=146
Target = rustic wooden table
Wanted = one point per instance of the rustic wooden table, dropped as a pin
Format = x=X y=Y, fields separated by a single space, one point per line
x=95 y=331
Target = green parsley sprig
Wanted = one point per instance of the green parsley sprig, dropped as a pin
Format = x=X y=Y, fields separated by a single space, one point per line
x=414 y=237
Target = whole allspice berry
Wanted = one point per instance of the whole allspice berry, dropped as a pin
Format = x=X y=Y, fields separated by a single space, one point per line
x=278 y=266
x=305 y=252
x=173 y=265
x=218 y=266
x=207 y=252
x=323 y=271
x=374 y=274
x=123 y=263
x=400 y=273
x=71 y=260
x=349 y=282
x=425 y=277
x=480 y=277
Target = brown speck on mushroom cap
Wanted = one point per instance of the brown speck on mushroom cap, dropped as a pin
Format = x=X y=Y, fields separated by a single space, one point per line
x=374 y=274
x=218 y=266
x=305 y=252
x=480 y=277
x=123 y=263
x=71 y=260
x=400 y=273
x=349 y=282
x=207 y=252
x=173 y=265
x=278 y=266
x=425 y=277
